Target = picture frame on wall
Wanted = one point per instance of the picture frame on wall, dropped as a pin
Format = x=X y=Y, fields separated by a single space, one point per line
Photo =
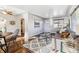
x=12 y=22
x=36 y=24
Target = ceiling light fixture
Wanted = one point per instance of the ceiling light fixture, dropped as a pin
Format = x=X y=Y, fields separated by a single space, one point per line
x=7 y=12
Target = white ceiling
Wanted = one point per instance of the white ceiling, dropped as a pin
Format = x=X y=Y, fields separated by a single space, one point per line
x=45 y=11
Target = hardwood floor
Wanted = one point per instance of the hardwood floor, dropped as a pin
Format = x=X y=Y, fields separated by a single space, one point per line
x=23 y=50
x=20 y=48
x=17 y=47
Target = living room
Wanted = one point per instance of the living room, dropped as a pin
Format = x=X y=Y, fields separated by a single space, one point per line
x=39 y=29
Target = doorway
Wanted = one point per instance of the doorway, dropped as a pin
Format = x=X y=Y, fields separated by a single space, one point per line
x=22 y=27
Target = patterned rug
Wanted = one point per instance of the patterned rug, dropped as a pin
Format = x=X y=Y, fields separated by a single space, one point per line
x=51 y=45
x=36 y=44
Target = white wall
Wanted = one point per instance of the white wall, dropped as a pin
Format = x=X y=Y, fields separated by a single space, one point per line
x=9 y=27
x=47 y=26
x=34 y=30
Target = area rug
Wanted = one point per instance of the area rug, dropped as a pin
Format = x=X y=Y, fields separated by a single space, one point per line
x=40 y=46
